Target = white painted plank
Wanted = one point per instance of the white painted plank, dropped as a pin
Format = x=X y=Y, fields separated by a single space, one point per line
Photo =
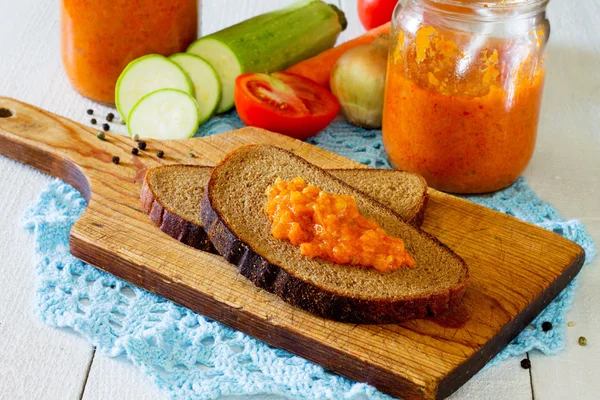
x=219 y=14
x=506 y=381
x=566 y=171
x=30 y=60
x=36 y=361
x=118 y=379
x=574 y=373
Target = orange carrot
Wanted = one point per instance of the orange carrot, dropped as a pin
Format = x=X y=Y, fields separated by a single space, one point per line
x=319 y=67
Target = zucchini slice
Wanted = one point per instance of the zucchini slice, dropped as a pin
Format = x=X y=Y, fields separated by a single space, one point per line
x=164 y=114
x=207 y=86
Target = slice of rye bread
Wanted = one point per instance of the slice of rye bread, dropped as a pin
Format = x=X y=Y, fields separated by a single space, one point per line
x=233 y=216
x=171 y=196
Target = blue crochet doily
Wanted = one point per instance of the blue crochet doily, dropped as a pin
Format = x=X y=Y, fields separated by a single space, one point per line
x=192 y=357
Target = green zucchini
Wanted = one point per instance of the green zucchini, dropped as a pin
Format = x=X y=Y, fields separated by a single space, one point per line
x=269 y=42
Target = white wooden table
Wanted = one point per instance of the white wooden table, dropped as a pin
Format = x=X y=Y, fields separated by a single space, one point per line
x=40 y=362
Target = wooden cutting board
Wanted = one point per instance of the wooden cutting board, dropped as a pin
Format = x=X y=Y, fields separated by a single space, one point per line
x=516 y=268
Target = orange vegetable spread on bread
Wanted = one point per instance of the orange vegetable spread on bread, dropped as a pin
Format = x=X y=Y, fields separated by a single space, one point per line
x=330 y=226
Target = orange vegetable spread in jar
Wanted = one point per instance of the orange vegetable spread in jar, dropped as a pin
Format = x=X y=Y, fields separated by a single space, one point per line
x=330 y=226
x=99 y=38
x=461 y=108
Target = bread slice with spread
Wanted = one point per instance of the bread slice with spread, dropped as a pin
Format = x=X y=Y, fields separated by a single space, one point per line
x=233 y=215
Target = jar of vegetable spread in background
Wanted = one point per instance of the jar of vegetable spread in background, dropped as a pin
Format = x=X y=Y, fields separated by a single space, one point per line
x=99 y=38
x=464 y=89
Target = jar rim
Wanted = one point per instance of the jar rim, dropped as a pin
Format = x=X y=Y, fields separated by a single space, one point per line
x=486 y=10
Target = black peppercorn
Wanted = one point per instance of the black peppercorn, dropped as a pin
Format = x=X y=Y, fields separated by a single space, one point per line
x=135 y=151
x=160 y=154
x=106 y=127
x=116 y=159
x=93 y=121
x=546 y=326
x=525 y=363
x=142 y=145
x=110 y=117
x=90 y=111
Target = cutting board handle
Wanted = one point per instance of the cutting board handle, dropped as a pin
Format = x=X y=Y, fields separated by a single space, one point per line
x=56 y=145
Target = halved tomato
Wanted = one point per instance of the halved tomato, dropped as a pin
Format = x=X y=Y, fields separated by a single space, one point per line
x=285 y=103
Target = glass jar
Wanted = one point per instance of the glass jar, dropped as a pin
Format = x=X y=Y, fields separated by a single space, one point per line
x=99 y=38
x=463 y=90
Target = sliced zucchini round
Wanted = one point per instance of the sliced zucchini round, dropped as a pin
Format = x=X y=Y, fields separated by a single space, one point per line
x=224 y=61
x=207 y=86
x=145 y=75
x=164 y=114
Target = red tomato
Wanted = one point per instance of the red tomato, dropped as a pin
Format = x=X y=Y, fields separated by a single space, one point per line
x=373 y=13
x=285 y=103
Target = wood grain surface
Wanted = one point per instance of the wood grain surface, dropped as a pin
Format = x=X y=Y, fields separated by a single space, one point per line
x=516 y=268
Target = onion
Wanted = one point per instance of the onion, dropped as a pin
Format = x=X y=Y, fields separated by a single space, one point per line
x=358 y=82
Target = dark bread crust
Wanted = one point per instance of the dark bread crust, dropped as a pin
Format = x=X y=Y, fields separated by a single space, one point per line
x=172 y=224
x=312 y=298
x=420 y=216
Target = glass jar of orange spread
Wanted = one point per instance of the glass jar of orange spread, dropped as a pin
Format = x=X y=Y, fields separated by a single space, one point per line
x=99 y=38
x=464 y=89
x=330 y=226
